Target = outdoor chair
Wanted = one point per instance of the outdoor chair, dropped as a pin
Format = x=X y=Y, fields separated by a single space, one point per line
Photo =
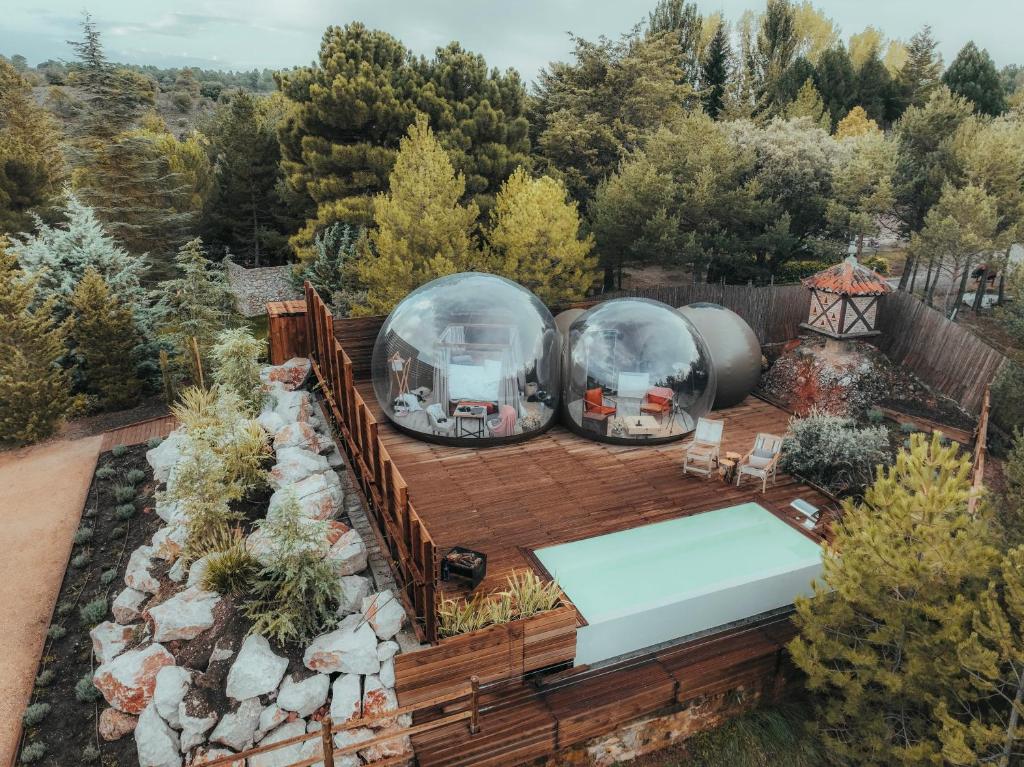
x=595 y=403
x=701 y=455
x=762 y=461
x=657 y=401
x=440 y=423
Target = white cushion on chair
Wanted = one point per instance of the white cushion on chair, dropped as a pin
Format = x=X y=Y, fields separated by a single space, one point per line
x=757 y=462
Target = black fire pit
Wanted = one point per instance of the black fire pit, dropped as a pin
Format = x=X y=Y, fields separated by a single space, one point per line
x=464 y=564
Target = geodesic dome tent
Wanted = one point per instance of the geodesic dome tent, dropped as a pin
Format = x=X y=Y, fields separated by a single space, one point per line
x=636 y=370
x=469 y=359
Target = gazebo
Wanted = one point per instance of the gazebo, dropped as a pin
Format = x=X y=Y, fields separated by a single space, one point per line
x=844 y=300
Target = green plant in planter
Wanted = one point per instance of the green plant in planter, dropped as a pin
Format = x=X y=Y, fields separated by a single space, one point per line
x=154 y=442
x=874 y=415
x=94 y=612
x=124 y=493
x=231 y=571
x=90 y=754
x=908 y=428
x=83 y=535
x=118 y=450
x=82 y=559
x=105 y=472
x=107 y=576
x=56 y=631
x=85 y=690
x=135 y=476
x=35 y=713
x=125 y=511
x=45 y=677
x=33 y=752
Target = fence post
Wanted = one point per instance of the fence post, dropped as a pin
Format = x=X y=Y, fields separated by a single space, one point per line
x=474 y=702
x=328 y=740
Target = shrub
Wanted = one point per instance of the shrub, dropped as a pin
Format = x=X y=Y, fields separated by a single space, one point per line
x=94 y=612
x=105 y=472
x=90 y=753
x=529 y=594
x=294 y=597
x=118 y=450
x=1008 y=396
x=794 y=271
x=56 y=631
x=908 y=428
x=154 y=442
x=832 y=452
x=182 y=101
x=125 y=511
x=236 y=366
x=123 y=493
x=135 y=476
x=85 y=690
x=877 y=263
x=83 y=535
x=33 y=752
x=119 y=531
x=525 y=596
x=874 y=415
x=766 y=736
x=35 y=713
x=45 y=677
x=459 y=616
x=231 y=571
x=81 y=559
x=107 y=576
x=63 y=608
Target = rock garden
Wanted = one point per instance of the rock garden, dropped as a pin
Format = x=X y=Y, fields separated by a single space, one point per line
x=219 y=597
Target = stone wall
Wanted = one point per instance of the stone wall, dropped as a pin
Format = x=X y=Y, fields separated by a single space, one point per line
x=255 y=288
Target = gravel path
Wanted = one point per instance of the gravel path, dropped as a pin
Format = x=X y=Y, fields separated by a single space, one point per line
x=42 y=492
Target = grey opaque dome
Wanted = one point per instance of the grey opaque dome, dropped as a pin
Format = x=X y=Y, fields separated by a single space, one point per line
x=636 y=371
x=735 y=350
x=564 y=319
x=469 y=359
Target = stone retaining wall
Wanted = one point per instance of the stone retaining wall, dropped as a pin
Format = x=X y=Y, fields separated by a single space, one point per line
x=255 y=288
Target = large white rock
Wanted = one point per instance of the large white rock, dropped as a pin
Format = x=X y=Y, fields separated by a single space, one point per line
x=165 y=455
x=206 y=755
x=399 y=746
x=272 y=716
x=156 y=743
x=114 y=724
x=177 y=572
x=137 y=575
x=281 y=757
x=346 y=698
x=353 y=589
x=109 y=640
x=378 y=699
x=348 y=552
x=351 y=649
x=295 y=464
x=186 y=615
x=170 y=511
x=127 y=607
x=197 y=570
x=387 y=672
x=271 y=421
x=384 y=613
x=256 y=670
x=303 y=697
x=169 y=541
x=293 y=405
x=237 y=729
x=128 y=681
x=387 y=650
x=288 y=375
x=302 y=434
x=196 y=719
x=172 y=682
x=347 y=738
x=319 y=496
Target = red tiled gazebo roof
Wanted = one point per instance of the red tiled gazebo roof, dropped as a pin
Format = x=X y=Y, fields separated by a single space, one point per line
x=849 y=278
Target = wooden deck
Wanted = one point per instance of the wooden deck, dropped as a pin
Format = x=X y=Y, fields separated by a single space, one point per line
x=139 y=432
x=560 y=487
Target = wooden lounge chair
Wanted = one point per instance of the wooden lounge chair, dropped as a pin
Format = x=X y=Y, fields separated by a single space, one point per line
x=762 y=461
x=701 y=455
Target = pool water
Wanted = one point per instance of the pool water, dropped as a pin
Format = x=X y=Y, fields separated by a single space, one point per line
x=663 y=581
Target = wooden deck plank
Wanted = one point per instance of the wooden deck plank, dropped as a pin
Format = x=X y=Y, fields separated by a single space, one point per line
x=139 y=432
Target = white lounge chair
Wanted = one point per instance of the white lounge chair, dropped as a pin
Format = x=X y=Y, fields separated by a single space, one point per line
x=701 y=455
x=762 y=461
x=440 y=423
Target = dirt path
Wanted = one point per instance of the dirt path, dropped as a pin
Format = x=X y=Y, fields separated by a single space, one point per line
x=42 y=491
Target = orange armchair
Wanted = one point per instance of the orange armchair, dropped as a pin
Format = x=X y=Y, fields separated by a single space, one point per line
x=595 y=403
x=657 y=400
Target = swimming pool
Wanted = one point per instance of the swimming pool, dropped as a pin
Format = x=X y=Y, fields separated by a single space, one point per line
x=651 y=584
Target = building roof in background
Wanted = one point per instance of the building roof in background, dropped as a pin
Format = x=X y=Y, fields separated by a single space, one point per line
x=850 y=278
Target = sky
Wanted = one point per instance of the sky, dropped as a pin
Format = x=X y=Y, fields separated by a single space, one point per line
x=526 y=35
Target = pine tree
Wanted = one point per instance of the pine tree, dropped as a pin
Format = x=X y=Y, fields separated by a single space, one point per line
x=422 y=231
x=921 y=73
x=774 y=51
x=875 y=90
x=534 y=239
x=683 y=21
x=35 y=391
x=715 y=72
x=104 y=342
x=194 y=306
x=236 y=366
x=809 y=104
x=973 y=75
x=332 y=271
x=856 y=123
x=862 y=180
x=31 y=161
x=836 y=81
x=872 y=642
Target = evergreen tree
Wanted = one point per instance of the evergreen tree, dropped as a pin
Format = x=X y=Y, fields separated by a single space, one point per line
x=31 y=161
x=856 y=123
x=809 y=104
x=921 y=73
x=534 y=239
x=715 y=72
x=681 y=19
x=792 y=81
x=422 y=231
x=332 y=271
x=862 y=179
x=194 y=306
x=872 y=638
x=815 y=32
x=774 y=51
x=240 y=215
x=35 y=391
x=836 y=81
x=1009 y=505
x=973 y=75
x=874 y=90
x=104 y=341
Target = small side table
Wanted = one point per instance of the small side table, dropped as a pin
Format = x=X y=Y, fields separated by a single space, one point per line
x=727 y=468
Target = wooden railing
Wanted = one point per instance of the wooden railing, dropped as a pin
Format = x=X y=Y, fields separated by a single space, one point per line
x=412 y=553
x=980 y=450
x=461 y=706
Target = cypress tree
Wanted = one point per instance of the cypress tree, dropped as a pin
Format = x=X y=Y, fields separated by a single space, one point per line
x=715 y=72
x=35 y=391
x=922 y=71
x=104 y=342
x=973 y=75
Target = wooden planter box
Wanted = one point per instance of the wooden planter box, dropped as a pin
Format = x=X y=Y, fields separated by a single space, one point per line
x=495 y=653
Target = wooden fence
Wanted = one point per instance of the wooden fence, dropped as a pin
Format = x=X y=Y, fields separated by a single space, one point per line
x=413 y=555
x=947 y=357
x=286 y=330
